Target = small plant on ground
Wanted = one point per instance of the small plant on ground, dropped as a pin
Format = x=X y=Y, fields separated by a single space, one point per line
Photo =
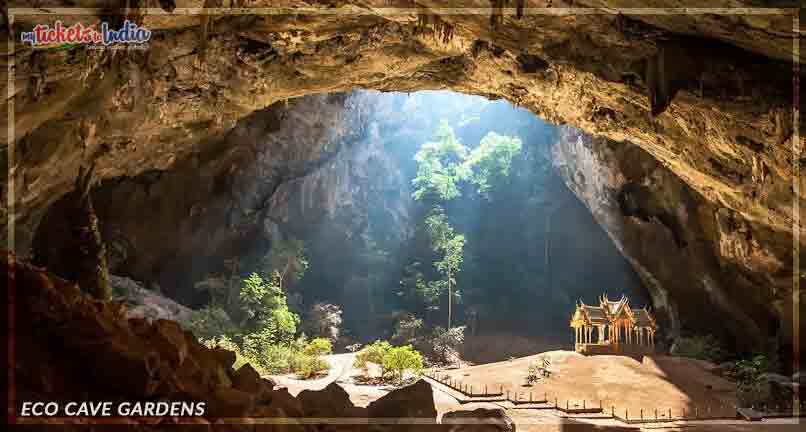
x=395 y=362
x=400 y=360
x=752 y=388
x=539 y=369
x=308 y=366
x=373 y=353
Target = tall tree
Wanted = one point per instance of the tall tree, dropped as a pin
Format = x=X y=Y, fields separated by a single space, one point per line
x=450 y=246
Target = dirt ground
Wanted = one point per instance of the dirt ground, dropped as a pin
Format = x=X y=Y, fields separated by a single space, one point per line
x=659 y=380
x=620 y=383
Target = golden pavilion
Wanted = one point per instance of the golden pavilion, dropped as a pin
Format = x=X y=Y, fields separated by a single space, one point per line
x=613 y=327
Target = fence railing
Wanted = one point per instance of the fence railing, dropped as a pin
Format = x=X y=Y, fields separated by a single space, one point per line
x=631 y=416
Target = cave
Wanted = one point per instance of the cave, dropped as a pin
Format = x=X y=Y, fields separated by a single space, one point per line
x=203 y=206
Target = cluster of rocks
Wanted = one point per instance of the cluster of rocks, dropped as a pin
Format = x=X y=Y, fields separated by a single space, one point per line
x=71 y=347
x=144 y=303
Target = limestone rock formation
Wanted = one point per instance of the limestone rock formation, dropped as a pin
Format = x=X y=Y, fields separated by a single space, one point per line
x=480 y=419
x=724 y=128
x=68 y=240
x=695 y=259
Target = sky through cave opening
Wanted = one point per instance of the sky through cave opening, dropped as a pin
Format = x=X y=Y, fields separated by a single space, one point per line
x=531 y=249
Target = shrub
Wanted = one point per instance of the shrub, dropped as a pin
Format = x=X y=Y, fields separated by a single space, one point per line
x=538 y=370
x=373 y=353
x=210 y=322
x=318 y=347
x=307 y=366
x=398 y=360
x=700 y=347
x=752 y=388
x=445 y=343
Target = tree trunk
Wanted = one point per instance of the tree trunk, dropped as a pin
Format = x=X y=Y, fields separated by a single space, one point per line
x=450 y=300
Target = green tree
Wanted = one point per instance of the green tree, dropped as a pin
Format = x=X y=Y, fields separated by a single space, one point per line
x=443 y=164
x=400 y=359
x=450 y=246
x=373 y=353
x=440 y=166
x=491 y=160
x=266 y=313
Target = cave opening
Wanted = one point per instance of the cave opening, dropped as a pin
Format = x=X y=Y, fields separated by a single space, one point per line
x=246 y=184
x=322 y=189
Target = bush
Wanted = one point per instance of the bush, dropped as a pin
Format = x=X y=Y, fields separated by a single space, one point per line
x=373 y=353
x=318 y=347
x=398 y=360
x=210 y=322
x=752 y=388
x=307 y=366
x=700 y=347
x=445 y=344
x=538 y=370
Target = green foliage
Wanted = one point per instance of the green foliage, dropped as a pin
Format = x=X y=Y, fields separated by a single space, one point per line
x=286 y=262
x=209 y=323
x=752 y=388
x=372 y=353
x=399 y=360
x=440 y=166
x=391 y=359
x=318 y=347
x=700 y=347
x=309 y=366
x=492 y=159
x=444 y=163
x=266 y=312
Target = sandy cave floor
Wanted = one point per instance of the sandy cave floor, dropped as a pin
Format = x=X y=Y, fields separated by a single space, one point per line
x=622 y=381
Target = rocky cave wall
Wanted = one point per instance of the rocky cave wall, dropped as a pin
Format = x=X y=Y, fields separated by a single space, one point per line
x=727 y=132
x=696 y=259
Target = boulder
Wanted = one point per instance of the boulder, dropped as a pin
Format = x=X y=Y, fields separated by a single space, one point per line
x=331 y=401
x=413 y=401
x=247 y=379
x=225 y=357
x=169 y=339
x=229 y=402
x=282 y=401
x=479 y=420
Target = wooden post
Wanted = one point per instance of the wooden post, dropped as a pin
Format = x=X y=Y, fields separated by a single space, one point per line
x=642 y=413
x=670 y=413
x=530 y=396
x=613 y=411
x=626 y=414
x=566 y=404
x=485 y=390
x=583 y=404
x=656 y=413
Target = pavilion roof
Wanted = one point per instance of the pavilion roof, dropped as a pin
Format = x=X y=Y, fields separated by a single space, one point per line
x=643 y=318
